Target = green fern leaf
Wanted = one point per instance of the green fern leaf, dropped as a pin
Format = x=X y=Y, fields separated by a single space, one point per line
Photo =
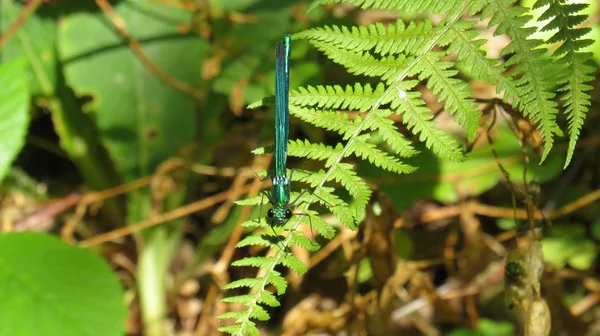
x=416 y=116
x=323 y=228
x=238 y=299
x=253 y=240
x=577 y=100
x=246 y=282
x=253 y=223
x=454 y=91
x=398 y=143
x=298 y=239
x=294 y=264
x=384 y=39
x=368 y=151
x=267 y=298
x=267 y=101
x=274 y=278
x=400 y=56
x=357 y=97
x=237 y=315
x=433 y=6
x=463 y=40
x=363 y=63
x=305 y=149
x=526 y=54
x=576 y=75
x=236 y=329
x=356 y=187
x=339 y=208
x=253 y=201
x=329 y=120
x=254 y=261
x=259 y=313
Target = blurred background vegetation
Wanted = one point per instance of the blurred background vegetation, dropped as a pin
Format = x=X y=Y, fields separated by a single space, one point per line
x=137 y=118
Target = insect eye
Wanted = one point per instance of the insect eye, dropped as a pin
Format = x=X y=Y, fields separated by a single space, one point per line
x=512 y=270
x=270 y=213
x=288 y=214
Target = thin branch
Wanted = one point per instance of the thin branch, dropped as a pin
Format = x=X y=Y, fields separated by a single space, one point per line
x=503 y=212
x=30 y=7
x=136 y=47
x=162 y=218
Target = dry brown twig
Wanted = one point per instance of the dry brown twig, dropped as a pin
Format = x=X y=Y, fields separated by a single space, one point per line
x=173 y=164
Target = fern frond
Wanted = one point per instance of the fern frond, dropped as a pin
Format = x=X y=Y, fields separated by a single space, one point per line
x=253 y=240
x=454 y=91
x=526 y=54
x=236 y=329
x=298 y=239
x=237 y=315
x=276 y=279
x=393 y=138
x=576 y=99
x=400 y=56
x=252 y=201
x=322 y=227
x=253 y=261
x=363 y=63
x=246 y=282
x=311 y=151
x=294 y=263
x=384 y=39
x=433 y=6
x=244 y=324
x=370 y=152
x=253 y=223
x=329 y=120
x=338 y=207
x=267 y=101
x=462 y=38
x=418 y=119
x=361 y=193
x=266 y=298
x=358 y=97
x=259 y=313
x=576 y=74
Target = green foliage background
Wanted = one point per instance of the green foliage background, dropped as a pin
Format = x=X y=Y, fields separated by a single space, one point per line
x=81 y=111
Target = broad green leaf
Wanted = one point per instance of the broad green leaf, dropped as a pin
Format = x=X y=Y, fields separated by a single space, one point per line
x=35 y=40
x=142 y=120
x=52 y=288
x=14 y=112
